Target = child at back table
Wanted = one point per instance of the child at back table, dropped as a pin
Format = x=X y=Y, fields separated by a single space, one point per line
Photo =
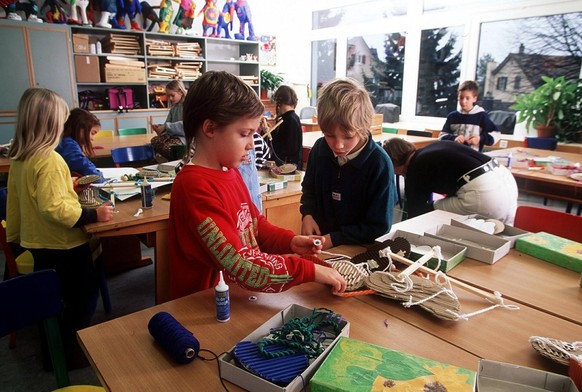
x=43 y=212
x=171 y=132
x=471 y=125
x=213 y=221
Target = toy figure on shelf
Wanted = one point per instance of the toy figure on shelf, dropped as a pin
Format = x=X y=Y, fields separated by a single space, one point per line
x=108 y=9
x=56 y=12
x=81 y=5
x=90 y=12
x=166 y=12
x=148 y=13
x=130 y=8
x=185 y=16
x=243 y=12
x=11 y=7
x=225 y=19
x=210 y=21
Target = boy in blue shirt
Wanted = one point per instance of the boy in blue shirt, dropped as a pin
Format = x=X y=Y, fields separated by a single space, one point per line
x=470 y=125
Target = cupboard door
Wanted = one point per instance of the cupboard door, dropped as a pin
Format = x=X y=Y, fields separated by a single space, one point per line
x=13 y=67
x=51 y=60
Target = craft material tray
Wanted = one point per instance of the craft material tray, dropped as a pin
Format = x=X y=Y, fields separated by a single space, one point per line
x=241 y=377
x=480 y=246
x=452 y=253
x=509 y=233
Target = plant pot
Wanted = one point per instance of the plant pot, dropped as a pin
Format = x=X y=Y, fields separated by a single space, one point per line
x=264 y=94
x=546 y=130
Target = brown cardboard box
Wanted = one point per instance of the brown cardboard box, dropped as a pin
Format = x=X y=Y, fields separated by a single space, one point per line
x=81 y=43
x=118 y=75
x=87 y=69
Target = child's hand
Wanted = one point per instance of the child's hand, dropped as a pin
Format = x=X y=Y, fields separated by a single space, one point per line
x=303 y=244
x=158 y=128
x=330 y=276
x=105 y=212
x=474 y=140
x=309 y=226
x=460 y=139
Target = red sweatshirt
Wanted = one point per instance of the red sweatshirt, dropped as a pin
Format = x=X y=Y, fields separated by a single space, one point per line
x=214 y=226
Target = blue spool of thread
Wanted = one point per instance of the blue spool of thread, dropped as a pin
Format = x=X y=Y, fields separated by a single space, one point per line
x=178 y=342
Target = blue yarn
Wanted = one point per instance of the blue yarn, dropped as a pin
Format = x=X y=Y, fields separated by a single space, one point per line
x=178 y=342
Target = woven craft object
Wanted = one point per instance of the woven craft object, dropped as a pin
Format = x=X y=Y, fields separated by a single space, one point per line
x=89 y=198
x=557 y=350
x=88 y=179
x=425 y=293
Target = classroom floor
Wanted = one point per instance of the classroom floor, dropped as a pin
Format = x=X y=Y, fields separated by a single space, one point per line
x=21 y=368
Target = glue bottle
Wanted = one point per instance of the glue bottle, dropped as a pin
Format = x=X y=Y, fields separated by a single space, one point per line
x=222 y=300
x=146 y=194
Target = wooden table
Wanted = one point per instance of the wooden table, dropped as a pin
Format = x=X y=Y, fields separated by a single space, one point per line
x=309 y=138
x=541 y=182
x=125 y=356
x=102 y=146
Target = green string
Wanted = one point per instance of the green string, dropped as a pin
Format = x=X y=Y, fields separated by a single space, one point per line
x=303 y=334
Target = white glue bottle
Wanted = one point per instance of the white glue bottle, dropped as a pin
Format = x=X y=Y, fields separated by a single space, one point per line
x=222 y=300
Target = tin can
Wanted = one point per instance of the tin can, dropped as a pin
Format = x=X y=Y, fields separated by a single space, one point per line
x=146 y=195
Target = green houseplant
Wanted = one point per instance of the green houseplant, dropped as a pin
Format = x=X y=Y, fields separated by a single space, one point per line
x=545 y=107
x=570 y=127
x=269 y=81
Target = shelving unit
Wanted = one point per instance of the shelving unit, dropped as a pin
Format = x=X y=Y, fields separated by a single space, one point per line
x=165 y=57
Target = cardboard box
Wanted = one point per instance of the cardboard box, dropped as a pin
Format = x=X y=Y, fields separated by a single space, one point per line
x=480 y=246
x=275 y=185
x=452 y=253
x=498 y=376
x=354 y=365
x=87 y=69
x=510 y=233
x=245 y=379
x=297 y=176
x=551 y=248
x=81 y=43
x=127 y=75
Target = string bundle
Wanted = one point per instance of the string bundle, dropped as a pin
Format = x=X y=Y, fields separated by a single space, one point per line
x=176 y=340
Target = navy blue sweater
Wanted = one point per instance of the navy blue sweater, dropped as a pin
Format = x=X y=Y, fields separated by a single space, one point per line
x=366 y=188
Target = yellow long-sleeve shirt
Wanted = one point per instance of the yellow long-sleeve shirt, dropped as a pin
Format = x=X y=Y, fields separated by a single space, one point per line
x=42 y=206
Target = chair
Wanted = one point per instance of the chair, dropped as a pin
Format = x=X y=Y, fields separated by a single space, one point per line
x=104 y=133
x=505 y=121
x=536 y=219
x=135 y=155
x=36 y=297
x=419 y=133
x=307 y=112
x=132 y=131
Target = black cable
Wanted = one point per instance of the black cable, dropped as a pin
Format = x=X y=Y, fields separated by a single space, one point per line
x=217 y=364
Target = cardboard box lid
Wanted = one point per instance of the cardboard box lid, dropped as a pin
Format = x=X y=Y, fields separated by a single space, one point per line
x=480 y=246
x=509 y=233
x=354 y=365
x=499 y=376
x=245 y=379
x=452 y=253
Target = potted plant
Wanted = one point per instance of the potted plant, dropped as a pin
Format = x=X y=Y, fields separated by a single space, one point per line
x=545 y=107
x=569 y=129
x=269 y=82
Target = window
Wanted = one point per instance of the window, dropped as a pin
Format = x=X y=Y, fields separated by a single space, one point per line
x=522 y=50
x=379 y=65
x=438 y=71
x=502 y=83
x=323 y=68
x=362 y=12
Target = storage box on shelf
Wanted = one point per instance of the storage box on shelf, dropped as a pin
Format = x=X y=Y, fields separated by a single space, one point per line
x=118 y=56
x=145 y=62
